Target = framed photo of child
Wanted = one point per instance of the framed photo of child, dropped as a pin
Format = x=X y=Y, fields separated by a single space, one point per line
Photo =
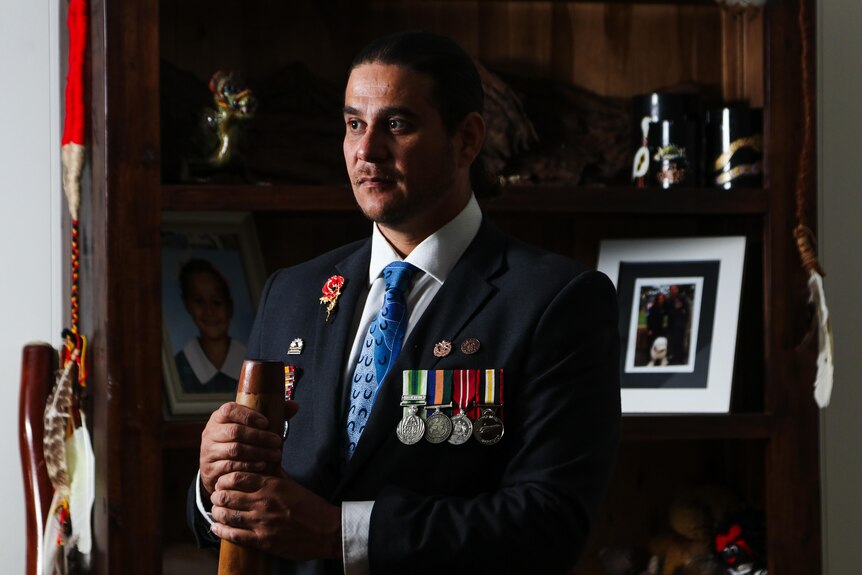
x=212 y=277
x=679 y=309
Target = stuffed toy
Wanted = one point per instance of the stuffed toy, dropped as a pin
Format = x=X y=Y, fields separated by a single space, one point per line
x=740 y=545
x=693 y=516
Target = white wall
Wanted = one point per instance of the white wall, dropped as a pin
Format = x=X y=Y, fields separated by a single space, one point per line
x=840 y=232
x=30 y=258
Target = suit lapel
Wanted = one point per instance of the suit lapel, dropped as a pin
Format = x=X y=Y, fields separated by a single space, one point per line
x=466 y=289
x=331 y=349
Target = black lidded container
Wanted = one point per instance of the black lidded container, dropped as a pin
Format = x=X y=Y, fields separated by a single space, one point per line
x=734 y=147
x=671 y=126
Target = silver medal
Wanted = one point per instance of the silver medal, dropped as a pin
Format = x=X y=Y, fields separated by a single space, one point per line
x=438 y=427
x=462 y=429
x=488 y=429
x=411 y=428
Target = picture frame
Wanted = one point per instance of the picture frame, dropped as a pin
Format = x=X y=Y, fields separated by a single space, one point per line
x=679 y=311
x=215 y=258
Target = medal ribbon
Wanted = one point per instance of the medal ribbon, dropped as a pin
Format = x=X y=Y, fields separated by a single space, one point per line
x=439 y=386
x=471 y=379
x=289 y=380
x=462 y=391
x=414 y=385
x=490 y=389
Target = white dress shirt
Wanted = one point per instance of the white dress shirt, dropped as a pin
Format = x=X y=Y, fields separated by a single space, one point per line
x=434 y=257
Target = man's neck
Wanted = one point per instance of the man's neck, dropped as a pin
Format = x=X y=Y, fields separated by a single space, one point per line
x=405 y=237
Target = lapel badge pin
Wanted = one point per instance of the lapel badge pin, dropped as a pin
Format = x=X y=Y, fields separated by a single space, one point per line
x=442 y=348
x=296 y=347
x=331 y=291
x=470 y=346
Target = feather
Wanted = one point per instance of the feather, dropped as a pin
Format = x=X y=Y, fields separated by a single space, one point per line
x=825 y=367
x=56 y=421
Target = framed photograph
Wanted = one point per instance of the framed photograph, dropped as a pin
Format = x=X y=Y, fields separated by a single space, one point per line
x=679 y=309
x=212 y=276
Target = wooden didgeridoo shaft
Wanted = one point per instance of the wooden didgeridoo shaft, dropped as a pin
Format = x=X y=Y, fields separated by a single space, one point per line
x=261 y=388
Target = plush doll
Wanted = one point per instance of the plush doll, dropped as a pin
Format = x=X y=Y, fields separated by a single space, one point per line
x=740 y=545
x=688 y=548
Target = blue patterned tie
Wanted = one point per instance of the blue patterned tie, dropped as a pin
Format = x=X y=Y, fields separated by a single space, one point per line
x=379 y=350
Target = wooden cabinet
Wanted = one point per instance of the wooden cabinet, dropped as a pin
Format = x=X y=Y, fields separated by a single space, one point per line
x=766 y=448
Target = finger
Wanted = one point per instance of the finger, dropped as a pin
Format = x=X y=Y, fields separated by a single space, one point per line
x=232 y=500
x=219 y=468
x=234 y=534
x=240 y=481
x=232 y=412
x=239 y=433
x=237 y=518
x=215 y=452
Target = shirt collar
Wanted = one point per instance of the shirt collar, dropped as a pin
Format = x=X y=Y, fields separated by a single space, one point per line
x=203 y=368
x=438 y=253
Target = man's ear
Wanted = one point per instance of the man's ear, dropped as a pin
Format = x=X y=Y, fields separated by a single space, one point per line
x=472 y=136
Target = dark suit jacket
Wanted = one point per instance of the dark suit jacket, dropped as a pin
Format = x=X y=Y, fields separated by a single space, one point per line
x=523 y=505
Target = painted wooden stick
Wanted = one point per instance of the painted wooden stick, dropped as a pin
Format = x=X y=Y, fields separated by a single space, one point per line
x=38 y=366
x=261 y=388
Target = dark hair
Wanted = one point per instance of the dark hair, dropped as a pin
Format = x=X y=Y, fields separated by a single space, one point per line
x=457 y=88
x=199 y=266
x=456 y=84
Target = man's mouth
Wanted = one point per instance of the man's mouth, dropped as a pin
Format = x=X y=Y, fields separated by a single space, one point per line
x=375 y=180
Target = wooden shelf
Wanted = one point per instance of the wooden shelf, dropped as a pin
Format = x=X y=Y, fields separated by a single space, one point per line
x=706 y=426
x=257 y=198
x=613 y=48
x=630 y=200
x=527 y=199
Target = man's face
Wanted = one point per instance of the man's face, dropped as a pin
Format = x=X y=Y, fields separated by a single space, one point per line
x=401 y=162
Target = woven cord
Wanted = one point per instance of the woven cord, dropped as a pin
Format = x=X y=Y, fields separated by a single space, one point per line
x=75 y=275
x=806 y=241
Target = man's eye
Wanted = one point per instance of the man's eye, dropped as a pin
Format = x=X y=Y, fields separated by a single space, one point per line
x=354 y=125
x=395 y=124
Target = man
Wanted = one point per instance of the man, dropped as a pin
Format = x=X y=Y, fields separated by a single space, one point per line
x=521 y=501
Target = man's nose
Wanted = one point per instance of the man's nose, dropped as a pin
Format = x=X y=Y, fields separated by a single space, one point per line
x=373 y=147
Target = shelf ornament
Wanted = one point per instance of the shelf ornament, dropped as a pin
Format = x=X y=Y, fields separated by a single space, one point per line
x=805 y=238
x=69 y=459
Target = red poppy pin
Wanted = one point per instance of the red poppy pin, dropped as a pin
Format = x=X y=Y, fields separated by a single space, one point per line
x=331 y=291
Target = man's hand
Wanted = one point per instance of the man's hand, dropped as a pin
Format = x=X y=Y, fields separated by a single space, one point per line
x=236 y=439
x=276 y=515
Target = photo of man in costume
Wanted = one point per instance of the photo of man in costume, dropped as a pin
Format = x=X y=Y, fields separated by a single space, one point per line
x=359 y=492
x=210 y=362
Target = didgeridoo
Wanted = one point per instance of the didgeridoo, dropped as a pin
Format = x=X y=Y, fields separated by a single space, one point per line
x=261 y=388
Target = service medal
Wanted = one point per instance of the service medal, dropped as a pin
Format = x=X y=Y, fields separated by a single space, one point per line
x=462 y=429
x=411 y=428
x=488 y=429
x=438 y=427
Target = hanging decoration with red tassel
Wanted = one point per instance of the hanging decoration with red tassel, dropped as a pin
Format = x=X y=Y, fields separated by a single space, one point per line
x=69 y=458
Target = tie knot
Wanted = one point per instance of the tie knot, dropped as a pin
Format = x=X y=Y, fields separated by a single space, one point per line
x=398 y=276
